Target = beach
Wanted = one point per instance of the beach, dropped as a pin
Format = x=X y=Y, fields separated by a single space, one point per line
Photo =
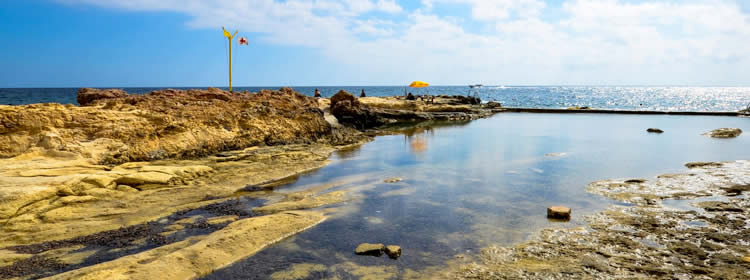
x=279 y=185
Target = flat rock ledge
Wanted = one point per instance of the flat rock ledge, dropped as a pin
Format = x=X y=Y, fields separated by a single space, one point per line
x=196 y=258
x=665 y=234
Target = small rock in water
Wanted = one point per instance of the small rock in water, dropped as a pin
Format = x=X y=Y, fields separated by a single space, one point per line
x=370 y=249
x=393 y=180
x=393 y=251
x=654 y=130
x=558 y=212
x=724 y=133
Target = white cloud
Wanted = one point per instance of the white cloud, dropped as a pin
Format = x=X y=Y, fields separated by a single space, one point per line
x=589 y=42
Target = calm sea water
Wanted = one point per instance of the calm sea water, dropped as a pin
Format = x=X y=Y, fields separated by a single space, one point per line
x=631 y=98
x=470 y=185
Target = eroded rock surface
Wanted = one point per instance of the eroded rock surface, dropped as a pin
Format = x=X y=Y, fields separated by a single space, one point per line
x=649 y=240
x=115 y=127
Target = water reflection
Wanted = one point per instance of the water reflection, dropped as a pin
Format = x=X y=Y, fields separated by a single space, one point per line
x=481 y=183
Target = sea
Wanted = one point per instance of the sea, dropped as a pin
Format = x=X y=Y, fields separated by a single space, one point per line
x=695 y=99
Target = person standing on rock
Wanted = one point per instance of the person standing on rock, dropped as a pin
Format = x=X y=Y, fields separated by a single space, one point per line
x=362 y=94
x=317 y=93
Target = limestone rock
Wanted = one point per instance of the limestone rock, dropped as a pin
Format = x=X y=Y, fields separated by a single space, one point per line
x=558 y=212
x=221 y=219
x=162 y=124
x=654 y=130
x=142 y=178
x=370 y=249
x=393 y=251
x=88 y=96
x=125 y=188
x=724 y=133
x=51 y=141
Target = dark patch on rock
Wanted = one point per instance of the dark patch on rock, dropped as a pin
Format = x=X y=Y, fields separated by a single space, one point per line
x=90 y=96
x=702 y=164
x=348 y=110
x=39 y=265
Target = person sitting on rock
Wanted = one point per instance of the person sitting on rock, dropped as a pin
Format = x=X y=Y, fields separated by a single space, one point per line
x=317 y=93
x=410 y=97
x=362 y=94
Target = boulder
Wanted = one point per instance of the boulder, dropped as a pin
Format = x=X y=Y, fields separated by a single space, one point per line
x=89 y=96
x=393 y=251
x=348 y=110
x=370 y=249
x=654 y=130
x=558 y=212
x=724 y=133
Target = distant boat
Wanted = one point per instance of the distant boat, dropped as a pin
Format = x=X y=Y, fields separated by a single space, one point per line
x=476 y=86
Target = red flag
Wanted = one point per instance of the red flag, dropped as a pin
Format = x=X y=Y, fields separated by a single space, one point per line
x=243 y=41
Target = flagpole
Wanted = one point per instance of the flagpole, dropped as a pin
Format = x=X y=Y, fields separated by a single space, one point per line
x=230 y=64
x=229 y=38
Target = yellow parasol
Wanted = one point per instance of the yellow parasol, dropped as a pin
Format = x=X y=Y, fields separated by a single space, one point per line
x=418 y=84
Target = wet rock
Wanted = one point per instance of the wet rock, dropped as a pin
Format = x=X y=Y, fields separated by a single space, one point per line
x=714 y=206
x=393 y=180
x=393 y=251
x=688 y=249
x=558 y=212
x=370 y=249
x=493 y=105
x=724 y=133
x=88 y=96
x=654 y=130
x=736 y=189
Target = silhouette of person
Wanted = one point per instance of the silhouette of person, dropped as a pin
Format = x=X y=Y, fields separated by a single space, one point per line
x=317 y=93
x=362 y=94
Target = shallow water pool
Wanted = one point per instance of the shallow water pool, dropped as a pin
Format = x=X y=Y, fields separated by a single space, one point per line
x=470 y=185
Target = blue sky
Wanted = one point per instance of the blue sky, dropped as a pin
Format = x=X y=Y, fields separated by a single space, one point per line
x=131 y=43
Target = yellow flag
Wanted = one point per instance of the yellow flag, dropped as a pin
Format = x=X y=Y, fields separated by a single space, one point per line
x=226 y=34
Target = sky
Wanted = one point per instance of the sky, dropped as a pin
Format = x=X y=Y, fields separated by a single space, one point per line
x=149 y=43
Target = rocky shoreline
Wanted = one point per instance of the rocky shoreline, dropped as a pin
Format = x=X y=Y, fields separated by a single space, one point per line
x=691 y=225
x=127 y=185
